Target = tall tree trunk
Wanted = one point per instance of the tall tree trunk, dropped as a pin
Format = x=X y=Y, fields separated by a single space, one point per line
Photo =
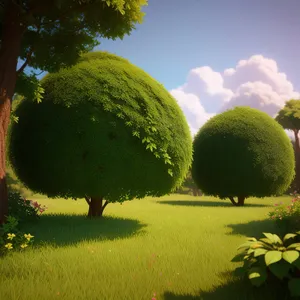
x=11 y=38
x=297 y=160
x=96 y=206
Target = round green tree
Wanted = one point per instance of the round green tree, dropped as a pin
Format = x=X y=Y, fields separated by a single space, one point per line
x=240 y=153
x=104 y=130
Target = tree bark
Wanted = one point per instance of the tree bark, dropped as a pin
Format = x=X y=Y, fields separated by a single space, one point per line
x=297 y=160
x=240 y=201
x=96 y=206
x=12 y=32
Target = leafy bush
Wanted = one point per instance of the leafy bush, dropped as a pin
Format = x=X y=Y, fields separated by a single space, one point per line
x=22 y=209
x=271 y=258
x=287 y=217
x=240 y=153
x=11 y=238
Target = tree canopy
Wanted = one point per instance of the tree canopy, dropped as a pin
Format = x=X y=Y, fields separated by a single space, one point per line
x=104 y=128
x=56 y=33
x=289 y=116
x=46 y=36
x=241 y=153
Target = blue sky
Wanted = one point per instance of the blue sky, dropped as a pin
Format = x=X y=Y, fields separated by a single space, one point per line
x=178 y=35
x=212 y=55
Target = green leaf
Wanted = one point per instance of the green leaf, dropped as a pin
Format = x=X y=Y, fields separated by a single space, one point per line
x=274 y=238
x=14 y=118
x=289 y=236
x=145 y=140
x=257 y=245
x=257 y=276
x=250 y=251
x=280 y=269
x=136 y=133
x=251 y=239
x=170 y=172
x=260 y=251
x=157 y=155
x=245 y=245
x=272 y=257
x=294 y=287
x=290 y=256
x=293 y=246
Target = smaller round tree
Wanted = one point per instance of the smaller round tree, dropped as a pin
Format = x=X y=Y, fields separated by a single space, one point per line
x=241 y=153
x=289 y=118
x=104 y=130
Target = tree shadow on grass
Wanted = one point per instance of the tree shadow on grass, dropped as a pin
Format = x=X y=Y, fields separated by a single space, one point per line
x=234 y=289
x=62 y=230
x=208 y=203
x=255 y=228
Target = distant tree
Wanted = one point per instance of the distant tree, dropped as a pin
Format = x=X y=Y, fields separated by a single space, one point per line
x=289 y=118
x=47 y=35
x=188 y=186
x=104 y=130
x=242 y=153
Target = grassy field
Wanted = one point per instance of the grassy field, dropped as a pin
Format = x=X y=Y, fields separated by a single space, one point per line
x=175 y=247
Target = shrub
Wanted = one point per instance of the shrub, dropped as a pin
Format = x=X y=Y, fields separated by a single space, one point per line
x=23 y=209
x=240 y=153
x=287 y=217
x=11 y=238
x=271 y=258
x=104 y=130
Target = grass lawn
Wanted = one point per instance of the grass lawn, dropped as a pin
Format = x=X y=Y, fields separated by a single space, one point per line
x=178 y=247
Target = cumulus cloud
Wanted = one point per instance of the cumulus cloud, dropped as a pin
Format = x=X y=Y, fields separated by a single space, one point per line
x=192 y=108
x=255 y=82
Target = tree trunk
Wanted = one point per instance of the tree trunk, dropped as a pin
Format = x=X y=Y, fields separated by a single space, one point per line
x=96 y=206
x=12 y=32
x=297 y=160
x=240 y=202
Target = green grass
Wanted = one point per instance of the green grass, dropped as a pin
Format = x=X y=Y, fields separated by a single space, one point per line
x=178 y=247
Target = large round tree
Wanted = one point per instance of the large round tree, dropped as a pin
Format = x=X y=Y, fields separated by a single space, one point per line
x=240 y=153
x=104 y=130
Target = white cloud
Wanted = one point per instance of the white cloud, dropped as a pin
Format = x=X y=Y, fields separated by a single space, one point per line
x=192 y=108
x=255 y=82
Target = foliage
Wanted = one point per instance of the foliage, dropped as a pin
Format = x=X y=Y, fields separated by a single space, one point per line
x=11 y=238
x=188 y=186
x=105 y=128
x=242 y=152
x=287 y=217
x=289 y=116
x=56 y=33
x=271 y=256
x=22 y=209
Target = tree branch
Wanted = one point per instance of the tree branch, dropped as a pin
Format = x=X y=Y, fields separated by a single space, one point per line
x=38 y=74
x=27 y=61
x=106 y=202
x=232 y=201
x=29 y=54
x=88 y=200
